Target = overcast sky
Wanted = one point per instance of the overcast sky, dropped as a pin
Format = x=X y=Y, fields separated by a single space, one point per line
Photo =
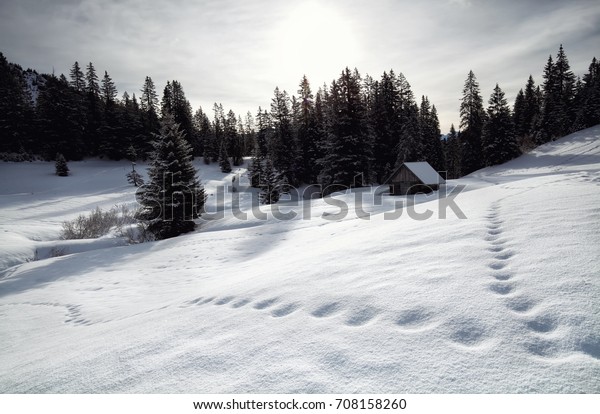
x=236 y=52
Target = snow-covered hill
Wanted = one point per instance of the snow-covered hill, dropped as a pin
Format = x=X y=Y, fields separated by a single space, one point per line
x=504 y=300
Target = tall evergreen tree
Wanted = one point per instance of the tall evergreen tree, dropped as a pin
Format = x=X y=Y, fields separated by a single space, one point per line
x=499 y=141
x=233 y=139
x=431 y=135
x=224 y=163
x=282 y=147
x=174 y=195
x=60 y=119
x=588 y=108
x=453 y=156
x=16 y=111
x=109 y=91
x=91 y=78
x=347 y=151
x=472 y=118
x=307 y=133
x=77 y=78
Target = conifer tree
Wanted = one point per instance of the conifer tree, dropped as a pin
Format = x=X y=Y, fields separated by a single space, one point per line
x=499 y=141
x=453 y=156
x=430 y=135
x=282 y=147
x=588 y=108
x=472 y=118
x=307 y=134
x=347 y=151
x=92 y=87
x=109 y=91
x=224 y=163
x=77 y=78
x=62 y=170
x=272 y=184
x=174 y=195
x=256 y=168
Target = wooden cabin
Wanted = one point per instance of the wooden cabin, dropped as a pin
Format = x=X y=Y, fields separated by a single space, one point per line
x=413 y=178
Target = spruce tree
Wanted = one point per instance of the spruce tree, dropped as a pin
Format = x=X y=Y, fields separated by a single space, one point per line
x=256 y=168
x=347 y=151
x=77 y=78
x=499 y=141
x=588 y=108
x=307 y=134
x=62 y=170
x=224 y=163
x=453 y=156
x=472 y=117
x=272 y=184
x=174 y=195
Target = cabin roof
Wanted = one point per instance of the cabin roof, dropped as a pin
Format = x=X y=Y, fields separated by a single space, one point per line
x=422 y=170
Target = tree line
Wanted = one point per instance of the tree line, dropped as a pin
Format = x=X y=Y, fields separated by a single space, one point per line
x=354 y=127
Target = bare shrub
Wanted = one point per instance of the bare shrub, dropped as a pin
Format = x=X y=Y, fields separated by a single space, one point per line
x=97 y=223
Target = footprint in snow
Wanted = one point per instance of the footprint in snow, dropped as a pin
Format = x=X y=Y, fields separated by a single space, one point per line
x=542 y=324
x=225 y=300
x=240 y=303
x=285 y=310
x=326 y=310
x=468 y=332
x=591 y=346
x=265 y=303
x=503 y=276
x=502 y=288
x=497 y=265
x=520 y=304
x=414 y=319
x=362 y=316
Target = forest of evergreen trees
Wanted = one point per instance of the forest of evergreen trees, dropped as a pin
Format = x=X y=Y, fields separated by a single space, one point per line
x=356 y=126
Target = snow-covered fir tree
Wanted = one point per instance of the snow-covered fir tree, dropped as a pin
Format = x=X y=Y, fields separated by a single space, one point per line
x=272 y=184
x=174 y=195
x=499 y=141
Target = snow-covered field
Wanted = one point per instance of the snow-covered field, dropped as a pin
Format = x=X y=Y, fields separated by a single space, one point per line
x=506 y=300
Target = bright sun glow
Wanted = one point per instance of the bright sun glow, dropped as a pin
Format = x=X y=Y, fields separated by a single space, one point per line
x=315 y=40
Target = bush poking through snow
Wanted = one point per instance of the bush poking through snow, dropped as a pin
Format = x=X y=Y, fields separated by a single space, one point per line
x=119 y=220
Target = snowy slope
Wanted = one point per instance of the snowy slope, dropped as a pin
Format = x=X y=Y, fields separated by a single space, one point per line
x=506 y=300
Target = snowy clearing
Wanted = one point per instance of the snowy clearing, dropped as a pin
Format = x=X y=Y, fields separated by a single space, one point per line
x=506 y=300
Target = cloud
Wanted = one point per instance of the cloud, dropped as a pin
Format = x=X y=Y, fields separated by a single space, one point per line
x=234 y=51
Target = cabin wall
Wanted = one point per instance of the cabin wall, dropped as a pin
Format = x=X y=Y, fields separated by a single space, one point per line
x=406 y=183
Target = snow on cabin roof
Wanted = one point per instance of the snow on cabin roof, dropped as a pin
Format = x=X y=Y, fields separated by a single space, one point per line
x=424 y=172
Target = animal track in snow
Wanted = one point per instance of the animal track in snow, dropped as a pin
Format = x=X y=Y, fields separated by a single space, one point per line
x=240 y=303
x=414 y=319
x=502 y=288
x=468 y=332
x=265 y=303
x=285 y=310
x=542 y=348
x=520 y=304
x=225 y=300
x=591 y=346
x=361 y=316
x=542 y=324
x=497 y=265
x=502 y=276
x=326 y=310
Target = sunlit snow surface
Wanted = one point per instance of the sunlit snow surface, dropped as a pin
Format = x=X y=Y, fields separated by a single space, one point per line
x=506 y=300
